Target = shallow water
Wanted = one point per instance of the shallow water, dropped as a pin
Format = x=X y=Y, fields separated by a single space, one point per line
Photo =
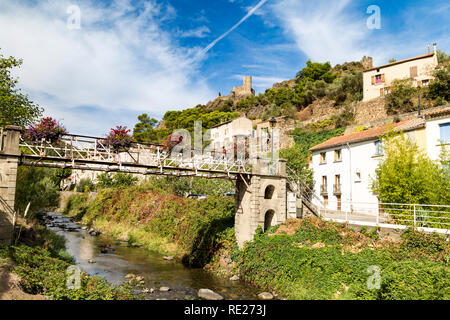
x=184 y=282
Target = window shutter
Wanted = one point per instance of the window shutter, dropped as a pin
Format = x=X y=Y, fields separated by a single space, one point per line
x=413 y=72
x=381 y=92
x=373 y=80
x=382 y=77
x=419 y=83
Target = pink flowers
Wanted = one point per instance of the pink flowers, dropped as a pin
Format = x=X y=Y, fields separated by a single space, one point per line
x=119 y=139
x=48 y=129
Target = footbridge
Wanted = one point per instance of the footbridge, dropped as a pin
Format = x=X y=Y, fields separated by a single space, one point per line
x=261 y=187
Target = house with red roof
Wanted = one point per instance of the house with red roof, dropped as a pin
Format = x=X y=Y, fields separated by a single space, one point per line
x=377 y=80
x=344 y=166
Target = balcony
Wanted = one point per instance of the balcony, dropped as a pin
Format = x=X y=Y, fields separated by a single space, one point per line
x=337 y=189
x=323 y=189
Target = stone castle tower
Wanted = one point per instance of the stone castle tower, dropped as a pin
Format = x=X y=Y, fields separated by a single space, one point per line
x=245 y=90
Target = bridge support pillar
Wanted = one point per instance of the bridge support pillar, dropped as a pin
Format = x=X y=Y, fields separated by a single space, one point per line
x=9 y=152
x=261 y=200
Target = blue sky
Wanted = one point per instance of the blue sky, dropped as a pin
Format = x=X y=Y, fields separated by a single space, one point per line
x=132 y=56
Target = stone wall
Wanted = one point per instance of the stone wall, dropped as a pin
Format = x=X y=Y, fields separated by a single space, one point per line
x=8 y=175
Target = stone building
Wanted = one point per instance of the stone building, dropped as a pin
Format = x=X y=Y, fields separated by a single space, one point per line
x=377 y=80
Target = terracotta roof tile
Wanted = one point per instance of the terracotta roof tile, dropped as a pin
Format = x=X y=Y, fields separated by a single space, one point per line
x=370 y=134
x=437 y=112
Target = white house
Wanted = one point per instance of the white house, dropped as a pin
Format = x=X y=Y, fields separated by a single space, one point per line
x=377 y=80
x=344 y=166
x=222 y=135
x=438 y=132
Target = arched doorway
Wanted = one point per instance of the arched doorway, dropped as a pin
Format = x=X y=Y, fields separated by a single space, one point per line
x=268 y=219
x=268 y=193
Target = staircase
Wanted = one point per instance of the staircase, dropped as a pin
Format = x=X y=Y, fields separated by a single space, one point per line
x=304 y=192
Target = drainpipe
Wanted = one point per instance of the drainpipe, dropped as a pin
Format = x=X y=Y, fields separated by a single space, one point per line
x=350 y=175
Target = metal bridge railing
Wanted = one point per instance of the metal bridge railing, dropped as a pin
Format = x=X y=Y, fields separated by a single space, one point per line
x=91 y=149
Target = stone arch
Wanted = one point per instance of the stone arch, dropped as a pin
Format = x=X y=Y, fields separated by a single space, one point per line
x=268 y=219
x=269 y=192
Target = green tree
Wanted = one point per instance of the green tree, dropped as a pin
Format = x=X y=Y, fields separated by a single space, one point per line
x=118 y=180
x=400 y=99
x=36 y=186
x=440 y=87
x=144 y=130
x=15 y=107
x=406 y=174
x=316 y=71
x=442 y=57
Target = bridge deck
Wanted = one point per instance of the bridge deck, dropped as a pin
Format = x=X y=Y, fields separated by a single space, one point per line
x=91 y=153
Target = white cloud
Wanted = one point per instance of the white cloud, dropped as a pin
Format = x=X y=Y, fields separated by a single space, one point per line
x=199 y=32
x=120 y=61
x=336 y=31
x=323 y=30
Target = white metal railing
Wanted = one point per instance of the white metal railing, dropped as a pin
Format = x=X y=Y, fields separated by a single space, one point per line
x=92 y=149
x=398 y=214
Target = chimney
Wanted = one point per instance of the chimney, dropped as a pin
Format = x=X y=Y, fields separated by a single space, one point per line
x=429 y=50
x=435 y=48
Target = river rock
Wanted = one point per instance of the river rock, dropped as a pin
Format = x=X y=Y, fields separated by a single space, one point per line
x=208 y=294
x=265 y=296
x=91 y=261
x=130 y=276
x=169 y=258
x=234 y=278
x=164 y=289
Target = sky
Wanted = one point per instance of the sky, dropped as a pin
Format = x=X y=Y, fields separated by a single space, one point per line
x=96 y=64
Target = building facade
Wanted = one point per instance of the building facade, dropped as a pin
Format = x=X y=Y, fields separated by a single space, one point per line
x=344 y=167
x=377 y=80
x=223 y=135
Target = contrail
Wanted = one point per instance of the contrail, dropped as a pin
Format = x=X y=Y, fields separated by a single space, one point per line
x=248 y=15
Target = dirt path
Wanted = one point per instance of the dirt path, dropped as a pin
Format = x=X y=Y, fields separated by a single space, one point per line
x=10 y=287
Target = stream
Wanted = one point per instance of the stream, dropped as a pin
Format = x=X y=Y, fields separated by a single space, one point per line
x=121 y=260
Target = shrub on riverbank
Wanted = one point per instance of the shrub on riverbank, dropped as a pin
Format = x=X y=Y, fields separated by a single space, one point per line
x=326 y=261
x=44 y=274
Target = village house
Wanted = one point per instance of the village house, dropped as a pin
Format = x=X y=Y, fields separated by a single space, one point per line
x=344 y=166
x=377 y=80
x=223 y=134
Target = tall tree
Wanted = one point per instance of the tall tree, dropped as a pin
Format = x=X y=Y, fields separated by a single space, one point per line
x=15 y=107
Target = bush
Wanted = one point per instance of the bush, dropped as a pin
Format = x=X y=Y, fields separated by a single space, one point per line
x=440 y=87
x=37 y=186
x=118 y=180
x=400 y=100
x=47 y=129
x=45 y=274
x=85 y=185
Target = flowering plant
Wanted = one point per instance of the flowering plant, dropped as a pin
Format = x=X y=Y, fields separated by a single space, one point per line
x=47 y=129
x=119 y=139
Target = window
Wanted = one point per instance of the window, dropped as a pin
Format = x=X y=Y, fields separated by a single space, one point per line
x=377 y=79
x=413 y=72
x=444 y=132
x=323 y=157
x=358 y=175
x=337 y=155
x=325 y=201
x=323 y=187
x=425 y=82
x=378 y=148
